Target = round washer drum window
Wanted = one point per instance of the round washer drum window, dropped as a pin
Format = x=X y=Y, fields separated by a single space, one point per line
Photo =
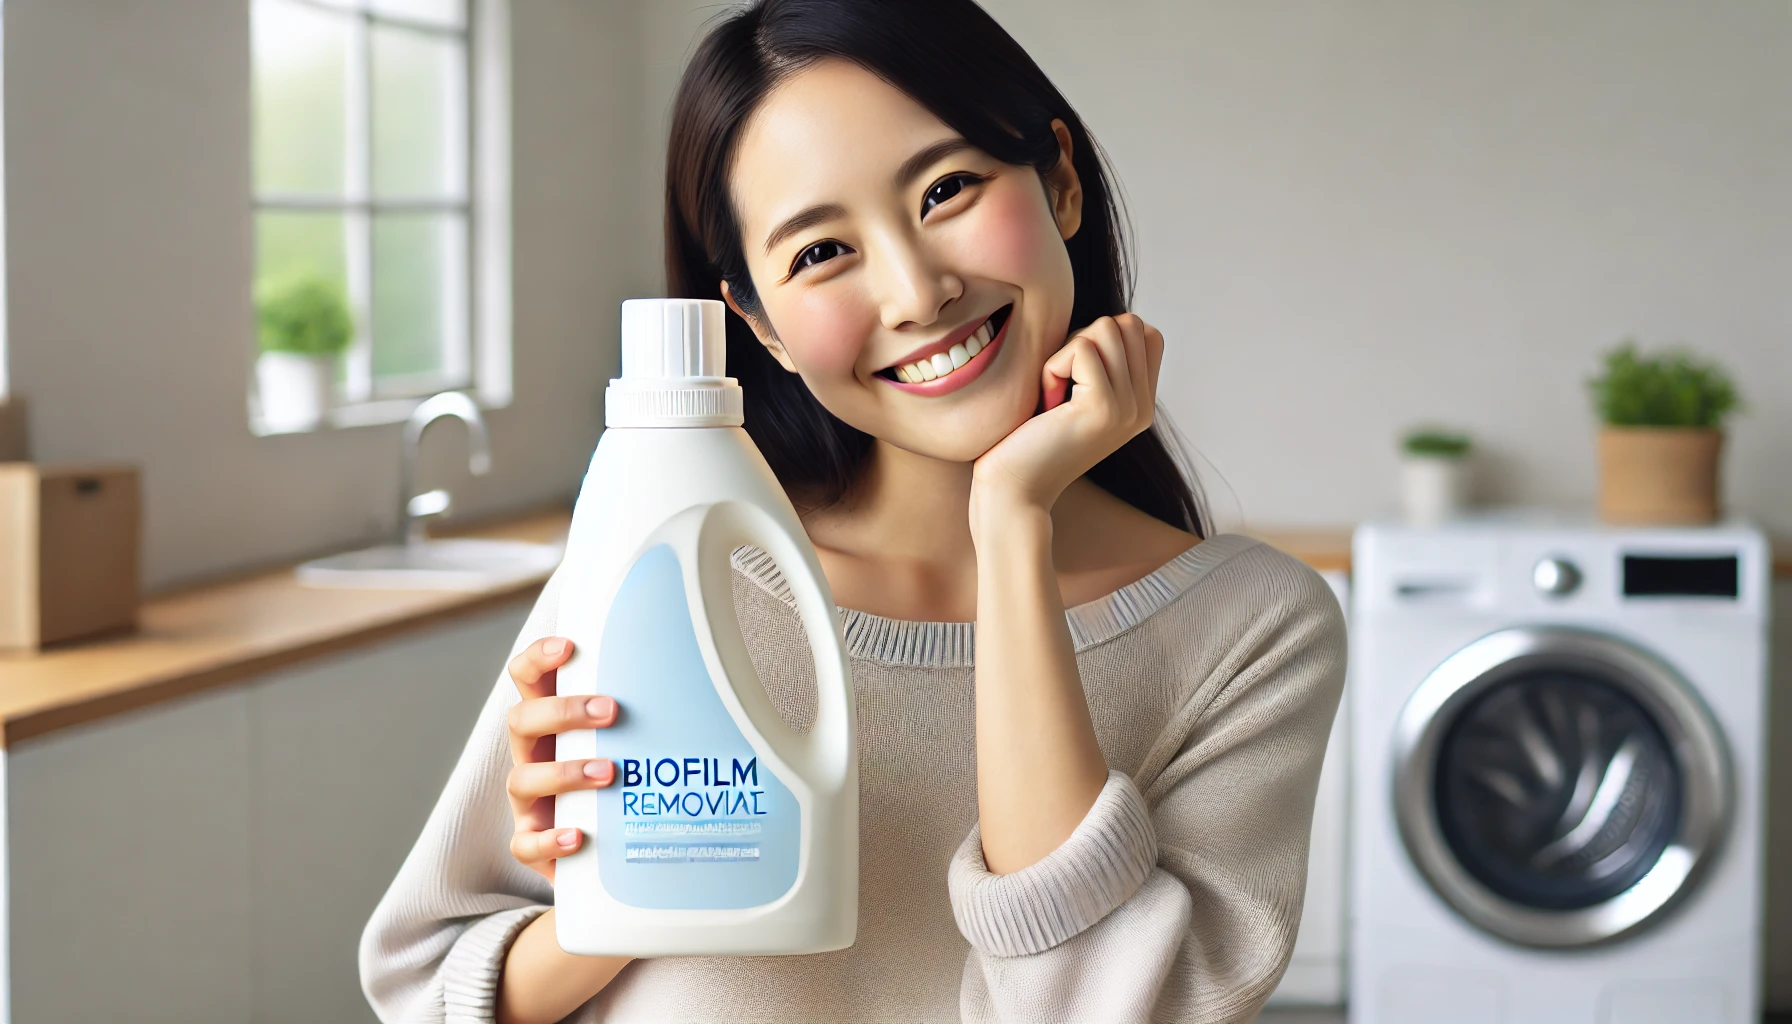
x=1556 y=789
x=1559 y=787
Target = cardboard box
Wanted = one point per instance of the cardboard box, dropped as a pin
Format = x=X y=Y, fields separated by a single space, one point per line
x=69 y=541
x=15 y=441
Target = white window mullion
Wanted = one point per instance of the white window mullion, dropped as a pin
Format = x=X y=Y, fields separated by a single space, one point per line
x=357 y=226
x=454 y=311
x=358 y=368
x=488 y=48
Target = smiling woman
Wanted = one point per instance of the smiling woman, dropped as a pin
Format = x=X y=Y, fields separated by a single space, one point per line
x=1089 y=739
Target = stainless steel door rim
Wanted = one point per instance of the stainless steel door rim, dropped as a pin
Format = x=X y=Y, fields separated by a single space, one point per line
x=1680 y=729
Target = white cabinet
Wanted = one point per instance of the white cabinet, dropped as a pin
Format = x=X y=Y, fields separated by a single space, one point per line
x=129 y=863
x=215 y=858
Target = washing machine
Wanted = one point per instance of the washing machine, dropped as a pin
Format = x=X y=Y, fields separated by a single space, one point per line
x=1558 y=760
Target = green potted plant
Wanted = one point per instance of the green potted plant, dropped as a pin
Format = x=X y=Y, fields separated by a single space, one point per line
x=1663 y=418
x=1433 y=474
x=303 y=325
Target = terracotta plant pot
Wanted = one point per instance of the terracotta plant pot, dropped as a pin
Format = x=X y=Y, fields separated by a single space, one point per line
x=1658 y=476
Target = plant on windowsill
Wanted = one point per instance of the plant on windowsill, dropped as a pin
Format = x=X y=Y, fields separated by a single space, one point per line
x=1662 y=437
x=303 y=325
x=1433 y=474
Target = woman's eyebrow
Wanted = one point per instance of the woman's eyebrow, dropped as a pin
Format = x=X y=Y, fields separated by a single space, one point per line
x=806 y=219
x=927 y=157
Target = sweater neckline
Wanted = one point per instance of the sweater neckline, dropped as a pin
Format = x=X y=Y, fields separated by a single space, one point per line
x=872 y=637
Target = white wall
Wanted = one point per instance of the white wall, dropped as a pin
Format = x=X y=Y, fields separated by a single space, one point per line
x=129 y=246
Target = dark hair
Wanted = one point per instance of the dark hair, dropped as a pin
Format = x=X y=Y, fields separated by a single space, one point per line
x=953 y=59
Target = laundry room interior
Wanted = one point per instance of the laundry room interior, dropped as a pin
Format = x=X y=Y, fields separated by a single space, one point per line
x=1482 y=310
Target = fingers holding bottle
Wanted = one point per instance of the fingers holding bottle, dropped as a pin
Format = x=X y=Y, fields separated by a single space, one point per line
x=535 y=668
x=536 y=778
x=532 y=788
x=534 y=722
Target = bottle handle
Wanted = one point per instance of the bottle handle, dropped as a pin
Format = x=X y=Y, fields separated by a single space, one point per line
x=822 y=756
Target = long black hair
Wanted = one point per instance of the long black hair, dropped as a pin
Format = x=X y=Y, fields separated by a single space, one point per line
x=953 y=59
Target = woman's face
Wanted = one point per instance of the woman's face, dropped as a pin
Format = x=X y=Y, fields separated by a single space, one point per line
x=916 y=283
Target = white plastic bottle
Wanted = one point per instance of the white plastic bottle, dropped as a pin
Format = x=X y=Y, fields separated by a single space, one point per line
x=725 y=832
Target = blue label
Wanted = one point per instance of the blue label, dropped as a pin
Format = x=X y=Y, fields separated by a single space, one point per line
x=694 y=820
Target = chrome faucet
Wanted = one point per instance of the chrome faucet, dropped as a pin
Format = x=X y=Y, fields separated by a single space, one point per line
x=413 y=509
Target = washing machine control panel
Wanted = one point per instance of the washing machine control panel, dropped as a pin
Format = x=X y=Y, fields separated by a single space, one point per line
x=1481 y=568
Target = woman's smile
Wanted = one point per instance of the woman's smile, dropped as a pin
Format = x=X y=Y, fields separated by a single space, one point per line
x=954 y=361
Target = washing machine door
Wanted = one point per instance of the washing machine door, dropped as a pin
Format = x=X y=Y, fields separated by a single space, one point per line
x=1559 y=787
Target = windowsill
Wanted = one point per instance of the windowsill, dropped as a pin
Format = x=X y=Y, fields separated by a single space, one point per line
x=369 y=414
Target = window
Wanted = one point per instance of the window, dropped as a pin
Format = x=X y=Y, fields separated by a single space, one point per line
x=381 y=165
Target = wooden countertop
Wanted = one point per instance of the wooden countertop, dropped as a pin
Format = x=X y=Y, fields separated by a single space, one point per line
x=1324 y=550
x=220 y=633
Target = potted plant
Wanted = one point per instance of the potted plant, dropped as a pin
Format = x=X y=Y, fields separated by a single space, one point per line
x=1433 y=474
x=1663 y=433
x=303 y=325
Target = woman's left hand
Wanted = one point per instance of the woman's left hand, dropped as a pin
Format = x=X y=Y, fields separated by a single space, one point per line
x=1109 y=372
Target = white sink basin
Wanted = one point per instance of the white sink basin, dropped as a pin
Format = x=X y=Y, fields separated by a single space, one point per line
x=453 y=564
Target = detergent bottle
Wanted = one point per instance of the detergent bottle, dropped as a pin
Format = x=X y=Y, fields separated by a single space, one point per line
x=725 y=832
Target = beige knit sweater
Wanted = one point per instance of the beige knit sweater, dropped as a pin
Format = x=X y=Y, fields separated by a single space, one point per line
x=1212 y=684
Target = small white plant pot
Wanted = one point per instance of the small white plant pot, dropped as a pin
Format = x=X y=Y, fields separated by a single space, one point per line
x=1433 y=488
x=295 y=390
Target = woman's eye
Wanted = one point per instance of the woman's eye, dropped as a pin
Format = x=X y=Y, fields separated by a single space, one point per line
x=944 y=190
x=820 y=252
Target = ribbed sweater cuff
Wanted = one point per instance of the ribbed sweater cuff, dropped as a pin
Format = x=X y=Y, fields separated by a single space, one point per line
x=470 y=971
x=1100 y=866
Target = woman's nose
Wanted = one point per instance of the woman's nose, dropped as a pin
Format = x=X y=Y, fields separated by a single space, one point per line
x=912 y=287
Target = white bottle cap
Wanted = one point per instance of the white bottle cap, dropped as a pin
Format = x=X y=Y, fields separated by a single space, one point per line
x=673 y=338
x=674 y=356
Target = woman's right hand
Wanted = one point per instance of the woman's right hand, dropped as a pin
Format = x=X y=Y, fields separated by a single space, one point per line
x=535 y=777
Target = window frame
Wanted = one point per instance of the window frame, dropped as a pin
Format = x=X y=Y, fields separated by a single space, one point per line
x=482 y=307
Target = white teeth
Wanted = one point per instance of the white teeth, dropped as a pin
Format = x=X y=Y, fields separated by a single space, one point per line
x=942 y=363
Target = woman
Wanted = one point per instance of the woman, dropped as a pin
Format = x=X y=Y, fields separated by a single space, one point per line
x=922 y=257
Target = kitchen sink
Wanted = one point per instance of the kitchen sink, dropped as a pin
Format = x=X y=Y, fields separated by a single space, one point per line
x=451 y=564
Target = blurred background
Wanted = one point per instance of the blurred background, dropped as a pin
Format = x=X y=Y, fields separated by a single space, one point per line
x=1351 y=217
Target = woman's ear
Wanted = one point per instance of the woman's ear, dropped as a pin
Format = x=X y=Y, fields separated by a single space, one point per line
x=1066 y=189
x=761 y=330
